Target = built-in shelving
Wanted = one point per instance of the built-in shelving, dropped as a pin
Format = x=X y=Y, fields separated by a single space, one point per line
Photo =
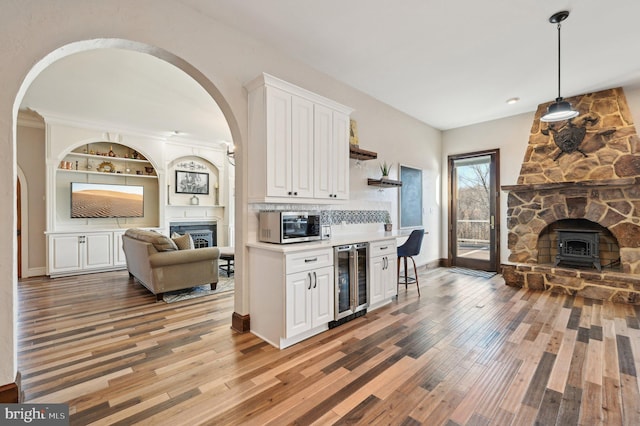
x=88 y=172
x=118 y=164
x=384 y=183
x=358 y=153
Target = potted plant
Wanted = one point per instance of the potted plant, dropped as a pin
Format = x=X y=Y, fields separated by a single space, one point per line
x=385 y=169
x=387 y=222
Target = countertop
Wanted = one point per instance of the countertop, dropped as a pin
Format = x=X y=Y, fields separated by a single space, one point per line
x=339 y=240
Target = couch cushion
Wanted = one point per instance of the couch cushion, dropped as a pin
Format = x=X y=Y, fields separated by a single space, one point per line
x=159 y=241
x=184 y=242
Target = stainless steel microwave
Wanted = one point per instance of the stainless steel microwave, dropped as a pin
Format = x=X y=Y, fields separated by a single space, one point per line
x=282 y=227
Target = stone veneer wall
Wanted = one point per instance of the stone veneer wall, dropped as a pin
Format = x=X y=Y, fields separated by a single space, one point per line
x=611 y=145
x=602 y=186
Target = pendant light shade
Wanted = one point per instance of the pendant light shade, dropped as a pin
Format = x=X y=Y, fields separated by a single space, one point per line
x=560 y=109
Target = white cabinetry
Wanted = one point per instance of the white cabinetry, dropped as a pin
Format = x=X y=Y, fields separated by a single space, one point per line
x=309 y=300
x=331 y=153
x=119 y=258
x=382 y=272
x=289 y=145
x=298 y=144
x=291 y=295
x=74 y=253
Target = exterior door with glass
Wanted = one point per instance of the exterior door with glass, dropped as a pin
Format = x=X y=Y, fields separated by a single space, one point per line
x=473 y=211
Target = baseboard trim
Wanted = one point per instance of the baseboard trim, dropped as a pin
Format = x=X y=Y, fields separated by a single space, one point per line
x=240 y=323
x=10 y=393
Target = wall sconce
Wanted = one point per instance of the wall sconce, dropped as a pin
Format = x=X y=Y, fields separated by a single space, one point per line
x=231 y=154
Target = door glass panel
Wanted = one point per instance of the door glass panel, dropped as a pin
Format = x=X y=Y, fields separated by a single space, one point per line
x=343 y=278
x=473 y=213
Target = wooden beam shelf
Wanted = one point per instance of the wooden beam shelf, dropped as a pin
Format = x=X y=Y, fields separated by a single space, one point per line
x=385 y=183
x=361 y=154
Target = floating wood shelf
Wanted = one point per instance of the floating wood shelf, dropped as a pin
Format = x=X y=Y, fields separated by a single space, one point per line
x=361 y=154
x=385 y=183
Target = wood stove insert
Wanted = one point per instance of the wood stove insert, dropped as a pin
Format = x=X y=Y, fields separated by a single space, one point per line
x=578 y=247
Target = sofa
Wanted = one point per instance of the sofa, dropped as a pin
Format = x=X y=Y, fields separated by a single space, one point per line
x=157 y=262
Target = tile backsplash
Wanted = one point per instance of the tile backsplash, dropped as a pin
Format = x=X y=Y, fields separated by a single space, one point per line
x=352 y=217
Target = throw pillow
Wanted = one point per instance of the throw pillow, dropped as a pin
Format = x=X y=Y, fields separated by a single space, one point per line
x=184 y=242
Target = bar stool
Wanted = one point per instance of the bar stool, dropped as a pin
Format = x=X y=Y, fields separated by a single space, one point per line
x=410 y=248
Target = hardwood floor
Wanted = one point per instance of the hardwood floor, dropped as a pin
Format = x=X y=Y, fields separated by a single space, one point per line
x=468 y=351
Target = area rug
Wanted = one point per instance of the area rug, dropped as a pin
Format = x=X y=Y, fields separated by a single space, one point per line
x=224 y=285
x=472 y=272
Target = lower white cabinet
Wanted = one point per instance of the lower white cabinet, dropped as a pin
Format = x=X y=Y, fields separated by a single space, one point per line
x=77 y=253
x=382 y=272
x=291 y=294
x=118 y=253
x=309 y=300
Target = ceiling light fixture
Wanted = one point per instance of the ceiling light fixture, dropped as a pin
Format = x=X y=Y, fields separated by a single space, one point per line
x=512 y=101
x=560 y=109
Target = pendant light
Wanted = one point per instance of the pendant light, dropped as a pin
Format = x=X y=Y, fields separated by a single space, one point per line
x=560 y=109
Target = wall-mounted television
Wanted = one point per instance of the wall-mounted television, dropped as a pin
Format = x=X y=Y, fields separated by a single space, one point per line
x=101 y=200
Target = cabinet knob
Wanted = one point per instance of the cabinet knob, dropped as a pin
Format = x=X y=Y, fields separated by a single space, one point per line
x=289 y=193
x=295 y=193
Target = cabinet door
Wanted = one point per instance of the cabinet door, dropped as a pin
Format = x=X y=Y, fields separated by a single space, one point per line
x=298 y=303
x=64 y=254
x=377 y=272
x=340 y=156
x=118 y=254
x=98 y=250
x=301 y=147
x=391 y=277
x=323 y=135
x=322 y=294
x=278 y=142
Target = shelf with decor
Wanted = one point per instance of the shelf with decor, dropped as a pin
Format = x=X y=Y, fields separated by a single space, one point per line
x=358 y=153
x=384 y=183
x=90 y=172
x=115 y=158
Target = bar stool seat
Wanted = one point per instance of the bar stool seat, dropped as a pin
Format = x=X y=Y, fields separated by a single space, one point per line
x=227 y=254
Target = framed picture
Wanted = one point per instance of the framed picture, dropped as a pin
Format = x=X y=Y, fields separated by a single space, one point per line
x=192 y=182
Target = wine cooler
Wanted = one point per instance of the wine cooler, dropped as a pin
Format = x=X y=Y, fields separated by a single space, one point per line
x=351 y=280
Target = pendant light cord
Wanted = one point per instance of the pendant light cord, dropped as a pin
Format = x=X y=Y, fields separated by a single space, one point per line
x=559 y=67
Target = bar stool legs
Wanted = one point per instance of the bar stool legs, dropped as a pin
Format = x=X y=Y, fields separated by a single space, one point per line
x=408 y=279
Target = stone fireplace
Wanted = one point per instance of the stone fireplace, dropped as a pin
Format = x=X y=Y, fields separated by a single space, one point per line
x=579 y=174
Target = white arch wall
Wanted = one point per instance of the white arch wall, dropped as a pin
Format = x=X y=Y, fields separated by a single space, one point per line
x=219 y=58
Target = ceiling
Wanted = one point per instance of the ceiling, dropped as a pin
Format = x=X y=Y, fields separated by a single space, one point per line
x=448 y=63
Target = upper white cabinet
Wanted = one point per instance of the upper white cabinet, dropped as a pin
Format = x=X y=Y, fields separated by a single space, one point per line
x=298 y=144
x=331 y=153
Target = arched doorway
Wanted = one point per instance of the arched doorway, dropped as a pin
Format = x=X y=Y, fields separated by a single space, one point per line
x=198 y=76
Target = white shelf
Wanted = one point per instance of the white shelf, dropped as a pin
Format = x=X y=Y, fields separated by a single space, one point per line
x=107 y=158
x=91 y=172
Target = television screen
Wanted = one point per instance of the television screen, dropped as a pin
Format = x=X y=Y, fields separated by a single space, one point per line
x=99 y=200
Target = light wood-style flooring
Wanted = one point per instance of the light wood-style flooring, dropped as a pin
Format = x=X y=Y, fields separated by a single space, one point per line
x=469 y=351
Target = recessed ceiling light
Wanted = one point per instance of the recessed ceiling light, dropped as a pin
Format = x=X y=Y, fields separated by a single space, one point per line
x=512 y=101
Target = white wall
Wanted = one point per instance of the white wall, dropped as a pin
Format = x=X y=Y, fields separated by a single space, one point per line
x=219 y=58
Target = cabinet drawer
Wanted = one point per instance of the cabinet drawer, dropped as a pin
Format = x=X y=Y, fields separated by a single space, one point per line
x=382 y=248
x=306 y=260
